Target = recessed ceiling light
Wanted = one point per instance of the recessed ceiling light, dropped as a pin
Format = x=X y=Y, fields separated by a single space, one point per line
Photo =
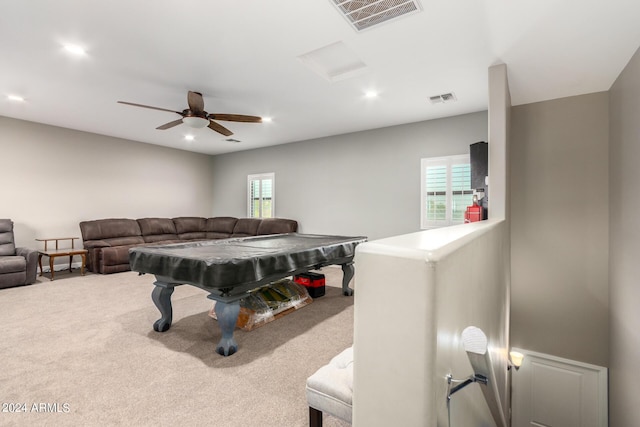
x=371 y=94
x=15 y=98
x=75 y=49
x=189 y=137
x=267 y=120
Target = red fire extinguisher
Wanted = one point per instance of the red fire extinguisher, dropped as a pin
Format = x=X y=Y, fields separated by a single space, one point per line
x=473 y=212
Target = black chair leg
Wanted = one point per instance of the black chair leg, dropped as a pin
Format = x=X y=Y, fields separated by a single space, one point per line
x=315 y=417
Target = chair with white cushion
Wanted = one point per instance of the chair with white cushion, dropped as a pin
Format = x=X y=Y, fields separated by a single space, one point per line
x=330 y=389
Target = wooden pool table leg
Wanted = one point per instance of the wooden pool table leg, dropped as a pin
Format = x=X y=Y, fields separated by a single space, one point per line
x=227 y=314
x=347 y=274
x=161 y=297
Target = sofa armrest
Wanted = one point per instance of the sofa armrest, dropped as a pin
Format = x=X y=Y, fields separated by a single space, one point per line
x=93 y=244
x=31 y=255
x=94 y=247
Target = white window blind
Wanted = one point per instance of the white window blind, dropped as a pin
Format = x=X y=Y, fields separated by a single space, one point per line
x=436 y=192
x=261 y=193
x=446 y=190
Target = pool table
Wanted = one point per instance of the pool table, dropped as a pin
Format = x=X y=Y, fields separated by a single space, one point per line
x=229 y=268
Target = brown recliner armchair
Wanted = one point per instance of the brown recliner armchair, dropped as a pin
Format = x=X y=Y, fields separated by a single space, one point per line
x=18 y=266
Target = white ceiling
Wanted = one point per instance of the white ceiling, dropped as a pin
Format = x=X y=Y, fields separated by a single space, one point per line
x=243 y=57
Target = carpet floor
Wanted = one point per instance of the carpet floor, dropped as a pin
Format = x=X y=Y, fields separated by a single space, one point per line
x=81 y=350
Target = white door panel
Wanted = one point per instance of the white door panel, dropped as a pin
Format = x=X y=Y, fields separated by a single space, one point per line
x=548 y=391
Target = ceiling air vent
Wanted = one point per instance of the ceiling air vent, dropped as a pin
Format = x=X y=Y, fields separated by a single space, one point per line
x=363 y=14
x=445 y=97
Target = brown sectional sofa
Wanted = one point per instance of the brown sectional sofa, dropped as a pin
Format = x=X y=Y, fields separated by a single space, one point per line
x=108 y=240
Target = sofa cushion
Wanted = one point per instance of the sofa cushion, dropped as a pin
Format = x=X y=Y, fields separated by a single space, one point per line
x=221 y=224
x=119 y=241
x=6 y=248
x=116 y=255
x=188 y=224
x=220 y=227
x=7 y=245
x=196 y=235
x=212 y=235
x=277 y=226
x=162 y=238
x=102 y=229
x=157 y=229
x=246 y=227
x=150 y=226
x=12 y=264
x=6 y=225
x=190 y=227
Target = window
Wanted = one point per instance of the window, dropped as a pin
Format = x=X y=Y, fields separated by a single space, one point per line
x=446 y=190
x=261 y=189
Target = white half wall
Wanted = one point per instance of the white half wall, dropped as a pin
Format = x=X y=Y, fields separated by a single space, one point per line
x=415 y=294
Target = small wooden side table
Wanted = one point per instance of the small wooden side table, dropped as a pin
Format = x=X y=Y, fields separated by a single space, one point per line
x=53 y=253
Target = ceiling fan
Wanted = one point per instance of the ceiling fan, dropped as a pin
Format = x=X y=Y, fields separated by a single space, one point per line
x=196 y=117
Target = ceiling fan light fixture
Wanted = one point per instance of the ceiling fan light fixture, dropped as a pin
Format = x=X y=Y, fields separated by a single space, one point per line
x=195 y=122
x=196 y=118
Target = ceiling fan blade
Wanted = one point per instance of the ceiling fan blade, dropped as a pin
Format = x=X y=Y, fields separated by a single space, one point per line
x=148 y=106
x=219 y=128
x=236 y=118
x=170 y=124
x=196 y=103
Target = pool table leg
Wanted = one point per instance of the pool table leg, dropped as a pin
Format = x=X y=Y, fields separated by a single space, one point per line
x=347 y=274
x=161 y=297
x=227 y=314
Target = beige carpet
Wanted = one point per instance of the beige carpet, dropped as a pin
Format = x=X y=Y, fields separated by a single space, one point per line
x=81 y=350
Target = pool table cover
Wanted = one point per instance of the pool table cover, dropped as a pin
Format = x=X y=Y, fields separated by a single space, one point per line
x=236 y=262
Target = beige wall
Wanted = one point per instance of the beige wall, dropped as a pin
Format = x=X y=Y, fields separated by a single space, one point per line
x=363 y=183
x=559 y=227
x=53 y=178
x=624 y=266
